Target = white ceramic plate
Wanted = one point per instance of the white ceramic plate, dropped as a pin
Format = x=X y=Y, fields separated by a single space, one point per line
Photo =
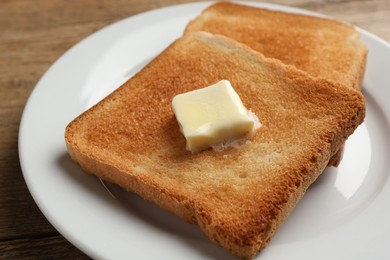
x=344 y=215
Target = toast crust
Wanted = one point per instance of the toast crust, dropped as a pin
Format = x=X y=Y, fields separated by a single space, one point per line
x=238 y=197
x=322 y=47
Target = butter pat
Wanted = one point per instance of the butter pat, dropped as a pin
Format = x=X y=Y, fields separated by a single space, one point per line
x=213 y=116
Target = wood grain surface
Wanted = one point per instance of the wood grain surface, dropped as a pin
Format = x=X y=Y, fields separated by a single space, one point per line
x=33 y=34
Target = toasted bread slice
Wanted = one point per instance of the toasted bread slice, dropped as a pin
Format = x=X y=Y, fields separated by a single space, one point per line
x=324 y=48
x=238 y=197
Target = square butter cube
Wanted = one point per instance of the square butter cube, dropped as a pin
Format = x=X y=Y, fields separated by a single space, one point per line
x=212 y=116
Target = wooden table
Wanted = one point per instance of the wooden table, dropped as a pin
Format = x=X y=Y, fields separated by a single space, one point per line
x=33 y=34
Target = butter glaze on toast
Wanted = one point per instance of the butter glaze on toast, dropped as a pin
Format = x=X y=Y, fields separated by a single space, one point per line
x=324 y=48
x=238 y=197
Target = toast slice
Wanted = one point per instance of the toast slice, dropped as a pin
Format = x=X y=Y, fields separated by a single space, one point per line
x=322 y=47
x=238 y=197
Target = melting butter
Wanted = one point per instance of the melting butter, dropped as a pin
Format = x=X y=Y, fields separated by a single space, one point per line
x=213 y=116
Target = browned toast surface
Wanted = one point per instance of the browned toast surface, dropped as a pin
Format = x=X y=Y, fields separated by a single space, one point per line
x=239 y=197
x=324 y=48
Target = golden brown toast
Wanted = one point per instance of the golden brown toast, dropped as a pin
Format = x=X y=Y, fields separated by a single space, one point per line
x=322 y=47
x=238 y=197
